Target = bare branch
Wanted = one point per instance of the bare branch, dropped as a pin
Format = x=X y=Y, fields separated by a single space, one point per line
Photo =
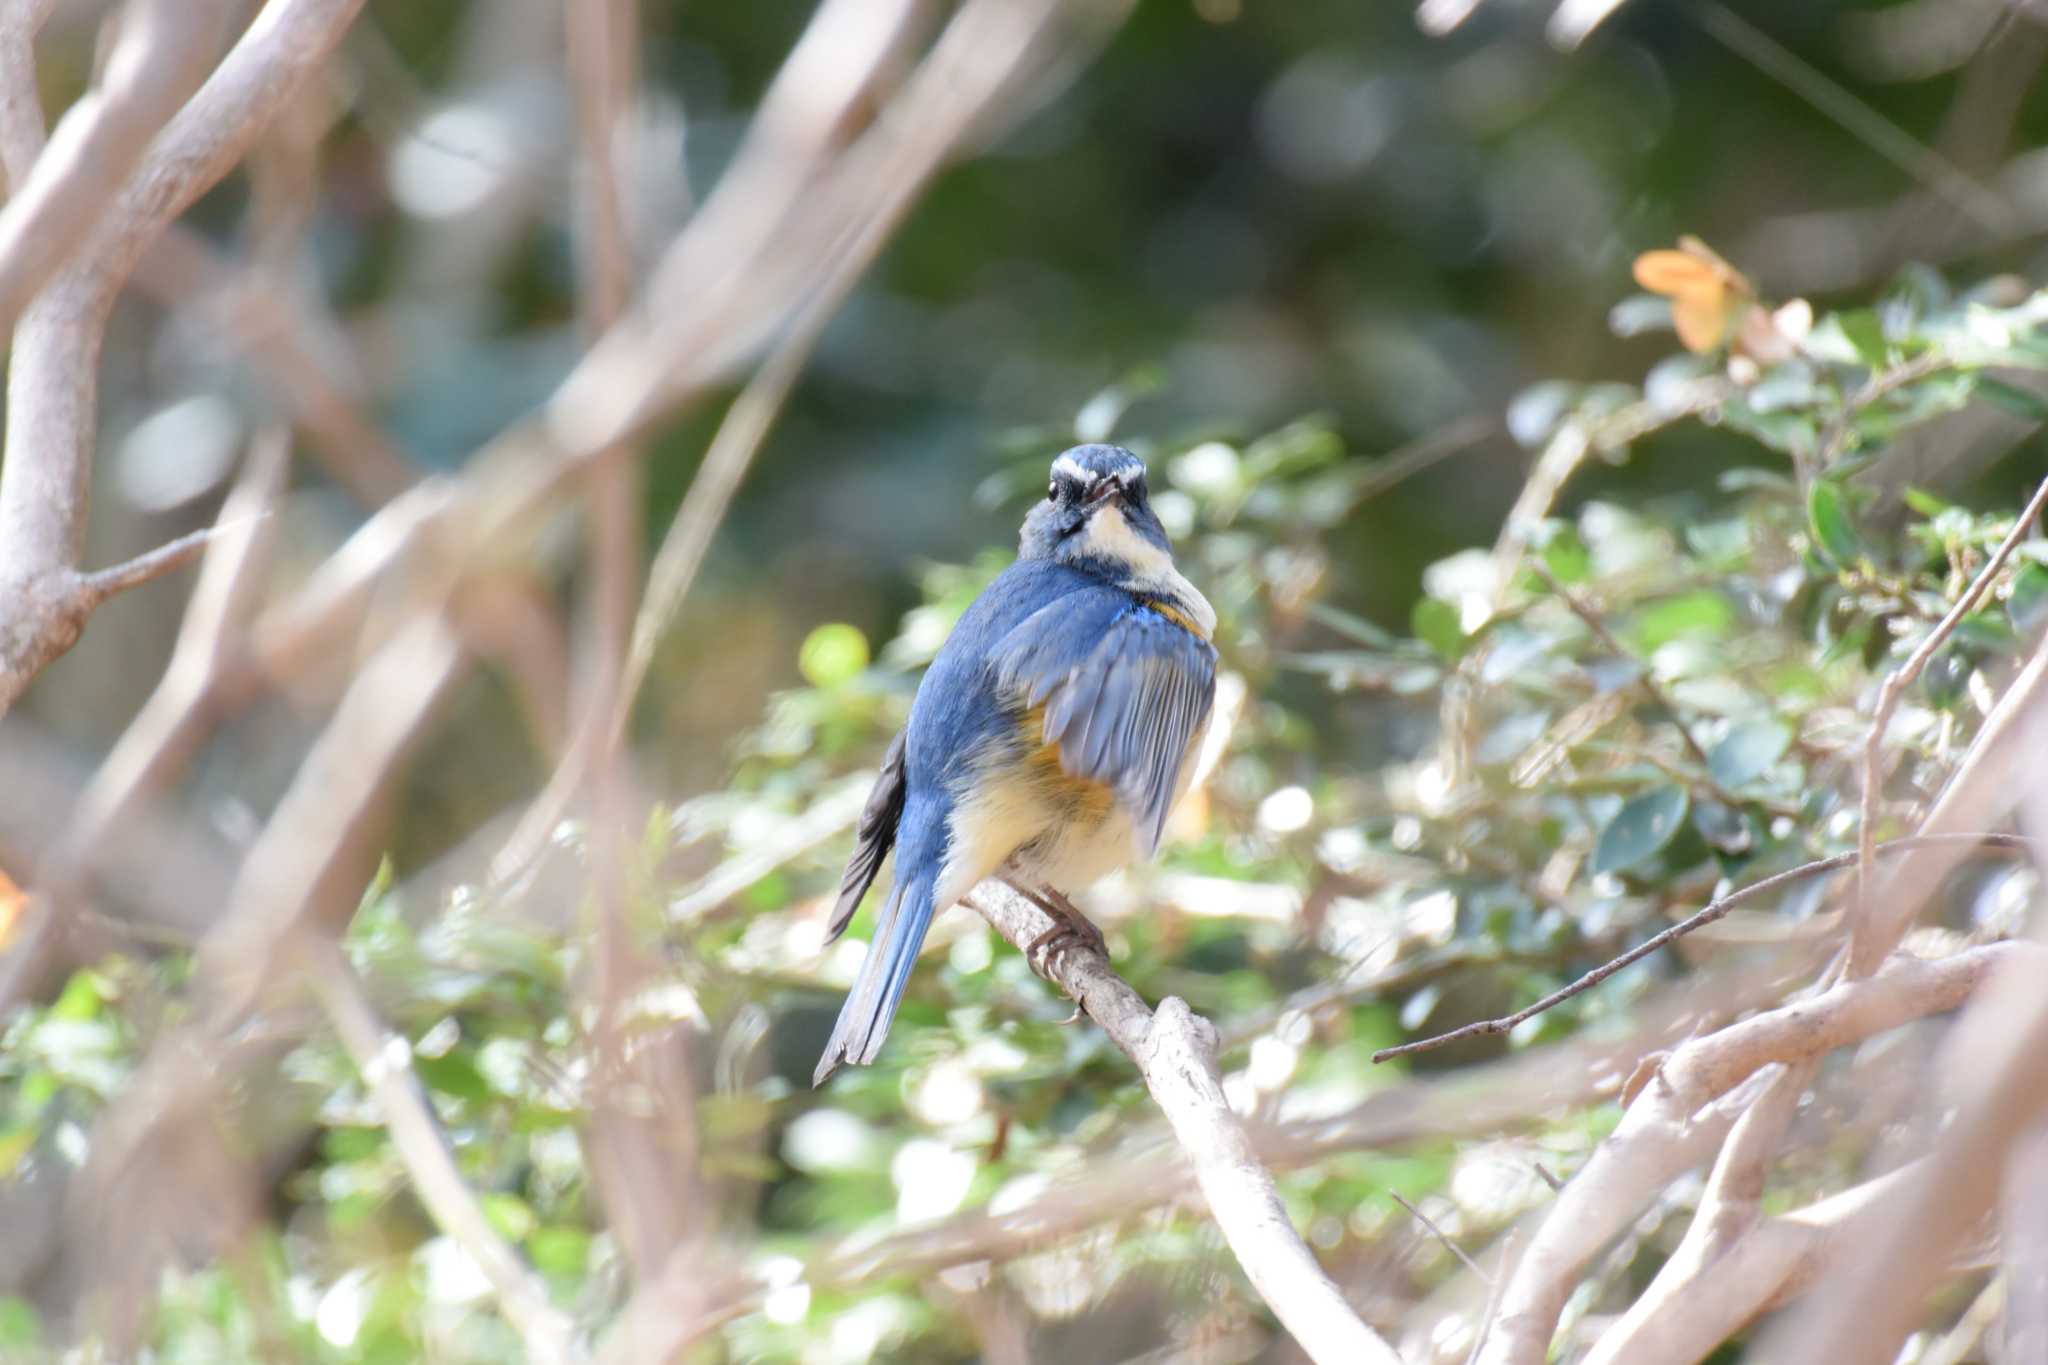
x=164 y=50
x=170 y=725
x=52 y=383
x=1682 y=1115
x=1755 y=891
x=1419 y=1216
x=385 y=1063
x=97 y=586
x=1701 y=1298
x=1174 y=1050
x=1991 y=1065
x=21 y=114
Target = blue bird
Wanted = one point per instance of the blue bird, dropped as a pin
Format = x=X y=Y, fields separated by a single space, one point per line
x=1049 y=738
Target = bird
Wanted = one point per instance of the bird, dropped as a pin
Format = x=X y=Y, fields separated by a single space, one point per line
x=1049 y=739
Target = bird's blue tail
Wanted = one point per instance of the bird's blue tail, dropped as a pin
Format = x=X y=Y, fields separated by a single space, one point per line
x=871 y=1005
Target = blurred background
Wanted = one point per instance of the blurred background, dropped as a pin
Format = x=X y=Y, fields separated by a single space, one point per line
x=1339 y=271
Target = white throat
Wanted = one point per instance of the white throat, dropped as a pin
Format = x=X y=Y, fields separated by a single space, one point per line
x=1148 y=570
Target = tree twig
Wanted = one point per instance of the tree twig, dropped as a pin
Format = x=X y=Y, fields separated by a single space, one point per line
x=385 y=1064
x=1654 y=694
x=100 y=584
x=1441 y=1236
x=1888 y=694
x=1776 y=882
x=1174 y=1050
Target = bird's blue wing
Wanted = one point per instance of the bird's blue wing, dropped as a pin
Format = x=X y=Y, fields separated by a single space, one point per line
x=1124 y=687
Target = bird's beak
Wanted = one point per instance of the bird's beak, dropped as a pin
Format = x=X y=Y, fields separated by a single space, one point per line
x=1102 y=490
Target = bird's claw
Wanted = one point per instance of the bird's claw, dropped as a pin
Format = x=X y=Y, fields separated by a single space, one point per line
x=1070 y=929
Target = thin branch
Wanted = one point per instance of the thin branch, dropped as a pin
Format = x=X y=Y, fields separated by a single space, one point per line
x=385 y=1064
x=171 y=724
x=1834 y=438
x=1866 y=124
x=1174 y=1050
x=97 y=586
x=1424 y=452
x=1441 y=1236
x=1645 y=684
x=2012 y=843
x=1888 y=695
x=1998 y=767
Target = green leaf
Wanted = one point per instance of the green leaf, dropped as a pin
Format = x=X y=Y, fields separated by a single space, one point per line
x=83 y=995
x=453 y=1074
x=510 y=1215
x=1565 y=554
x=1827 y=517
x=1925 y=503
x=1435 y=623
x=2027 y=607
x=1640 y=830
x=1747 y=752
x=1866 y=333
x=2020 y=402
x=559 y=1251
x=1704 y=613
x=833 y=654
x=19 y=1327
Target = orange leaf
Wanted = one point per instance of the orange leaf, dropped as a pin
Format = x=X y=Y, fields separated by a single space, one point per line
x=13 y=900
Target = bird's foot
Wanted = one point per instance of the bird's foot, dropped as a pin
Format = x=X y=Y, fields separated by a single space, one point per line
x=1070 y=929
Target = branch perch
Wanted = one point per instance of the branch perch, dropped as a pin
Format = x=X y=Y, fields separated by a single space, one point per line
x=1175 y=1051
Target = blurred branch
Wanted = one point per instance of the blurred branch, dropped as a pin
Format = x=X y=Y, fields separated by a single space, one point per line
x=1701 y=1297
x=100 y=584
x=164 y=49
x=1175 y=1051
x=297 y=887
x=168 y=729
x=1644 y=682
x=1755 y=891
x=1940 y=175
x=1662 y=1133
x=21 y=112
x=836 y=67
x=52 y=390
x=385 y=1064
x=1145 y=1173
x=1989 y=1079
x=1865 y=955
x=274 y=330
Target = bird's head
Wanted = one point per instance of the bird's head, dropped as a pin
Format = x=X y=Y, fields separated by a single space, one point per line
x=1098 y=509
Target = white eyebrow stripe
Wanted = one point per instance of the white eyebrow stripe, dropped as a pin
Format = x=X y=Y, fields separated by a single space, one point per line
x=1072 y=468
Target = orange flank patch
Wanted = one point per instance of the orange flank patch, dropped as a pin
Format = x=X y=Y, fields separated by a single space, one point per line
x=1043 y=761
x=1178 y=617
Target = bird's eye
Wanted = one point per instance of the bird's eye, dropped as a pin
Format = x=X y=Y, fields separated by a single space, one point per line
x=1052 y=492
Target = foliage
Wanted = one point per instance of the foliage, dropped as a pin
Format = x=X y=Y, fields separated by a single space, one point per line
x=1405 y=833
